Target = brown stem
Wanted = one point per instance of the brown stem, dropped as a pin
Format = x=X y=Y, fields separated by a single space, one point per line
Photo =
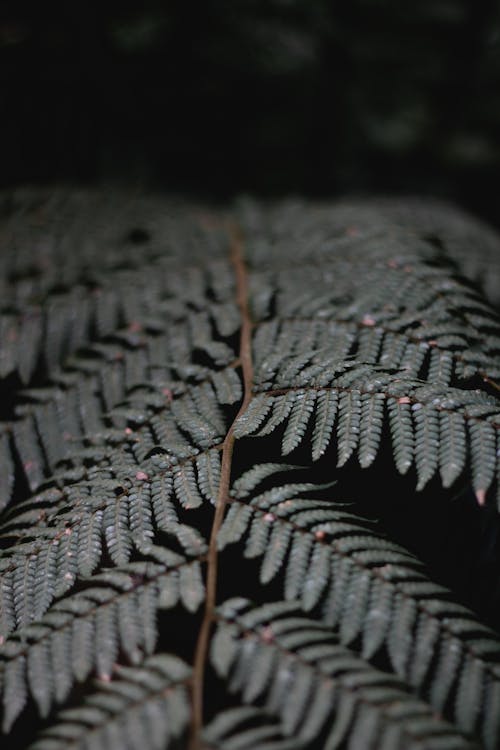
x=245 y=357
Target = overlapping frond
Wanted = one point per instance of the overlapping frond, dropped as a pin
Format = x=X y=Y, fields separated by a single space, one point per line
x=115 y=612
x=452 y=232
x=126 y=380
x=375 y=594
x=142 y=347
x=244 y=728
x=435 y=427
x=341 y=352
x=142 y=707
x=74 y=271
x=116 y=509
x=317 y=687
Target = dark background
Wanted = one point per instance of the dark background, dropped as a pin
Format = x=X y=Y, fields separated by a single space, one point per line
x=218 y=97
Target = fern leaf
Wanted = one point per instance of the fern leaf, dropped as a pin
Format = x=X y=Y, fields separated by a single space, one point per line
x=28 y=448
x=357 y=575
x=326 y=411
x=208 y=466
x=301 y=411
x=426 y=442
x=205 y=400
x=377 y=620
x=141 y=707
x=140 y=515
x=317 y=577
x=227 y=386
x=118 y=536
x=446 y=674
x=440 y=367
x=89 y=537
x=44 y=584
x=15 y=693
x=275 y=552
x=469 y=694
x=245 y=728
x=191 y=586
x=188 y=416
x=348 y=425
x=235 y=524
x=452 y=446
x=84 y=632
x=372 y=418
x=257 y=474
x=161 y=499
x=308 y=654
x=137 y=385
x=402 y=432
x=6 y=470
x=282 y=406
x=124 y=521
x=168 y=435
x=186 y=486
x=427 y=631
x=253 y=416
x=298 y=564
x=483 y=455
x=399 y=641
x=8 y=616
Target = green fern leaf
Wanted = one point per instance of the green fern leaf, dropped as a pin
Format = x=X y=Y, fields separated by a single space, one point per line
x=372 y=419
x=143 y=707
x=151 y=392
x=369 y=588
x=245 y=728
x=310 y=660
x=85 y=631
x=302 y=409
x=326 y=411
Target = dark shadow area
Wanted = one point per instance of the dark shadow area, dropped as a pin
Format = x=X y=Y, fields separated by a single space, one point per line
x=285 y=96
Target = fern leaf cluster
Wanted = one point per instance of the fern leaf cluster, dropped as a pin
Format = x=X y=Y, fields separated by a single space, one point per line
x=145 y=706
x=187 y=394
x=372 y=592
x=309 y=681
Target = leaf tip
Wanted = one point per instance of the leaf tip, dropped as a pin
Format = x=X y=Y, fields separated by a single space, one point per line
x=481 y=497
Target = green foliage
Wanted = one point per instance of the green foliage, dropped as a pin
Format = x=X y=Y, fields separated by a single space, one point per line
x=147 y=501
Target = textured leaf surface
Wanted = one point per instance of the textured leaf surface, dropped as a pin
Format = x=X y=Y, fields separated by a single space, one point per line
x=154 y=388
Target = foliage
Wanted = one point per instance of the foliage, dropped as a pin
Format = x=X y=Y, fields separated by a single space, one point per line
x=190 y=556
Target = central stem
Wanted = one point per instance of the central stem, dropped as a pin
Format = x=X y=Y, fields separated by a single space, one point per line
x=245 y=356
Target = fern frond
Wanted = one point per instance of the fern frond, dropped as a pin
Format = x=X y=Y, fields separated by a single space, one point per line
x=82 y=633
x=121 y=516
x=141 y=707
x=59 y=412
x=71 y=407
x=315 y=685
x=245 y=728
x=60 y=289
x=457 y=231
x=248 y=481
x=137 y=379
x=371 y=590
x=409 y=312
x=361 y=399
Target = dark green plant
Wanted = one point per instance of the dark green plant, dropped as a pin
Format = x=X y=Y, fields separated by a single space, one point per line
x=167 y=575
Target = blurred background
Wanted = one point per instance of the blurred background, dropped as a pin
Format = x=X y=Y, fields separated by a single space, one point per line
x=273 y=97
